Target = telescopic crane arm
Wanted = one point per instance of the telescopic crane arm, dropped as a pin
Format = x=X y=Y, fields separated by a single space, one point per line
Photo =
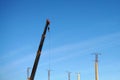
x=39 y=52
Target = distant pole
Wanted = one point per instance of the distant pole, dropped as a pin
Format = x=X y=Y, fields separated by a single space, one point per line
x=28 y=78
x=48 y=74
x=69 y=75
x=78 y=76
x=96 y=66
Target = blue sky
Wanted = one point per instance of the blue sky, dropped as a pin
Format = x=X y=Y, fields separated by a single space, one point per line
x=78 y=28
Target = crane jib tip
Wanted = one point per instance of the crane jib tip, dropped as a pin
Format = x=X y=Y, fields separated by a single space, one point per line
x=47 y=21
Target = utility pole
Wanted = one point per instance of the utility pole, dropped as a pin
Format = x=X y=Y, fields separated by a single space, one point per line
x=49 y=74
x=96 y=66
x=28 y=78
x=78 y=76
x=69 y=75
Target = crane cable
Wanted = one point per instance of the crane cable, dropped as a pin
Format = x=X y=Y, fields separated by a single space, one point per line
x=49 y=48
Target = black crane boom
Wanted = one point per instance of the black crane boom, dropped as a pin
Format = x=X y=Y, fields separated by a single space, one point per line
x=39 y=51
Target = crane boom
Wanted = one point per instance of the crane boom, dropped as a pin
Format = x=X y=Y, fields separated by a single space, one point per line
x=39 y=51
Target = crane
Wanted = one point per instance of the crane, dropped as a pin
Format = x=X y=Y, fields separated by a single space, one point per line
x=39 y=51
